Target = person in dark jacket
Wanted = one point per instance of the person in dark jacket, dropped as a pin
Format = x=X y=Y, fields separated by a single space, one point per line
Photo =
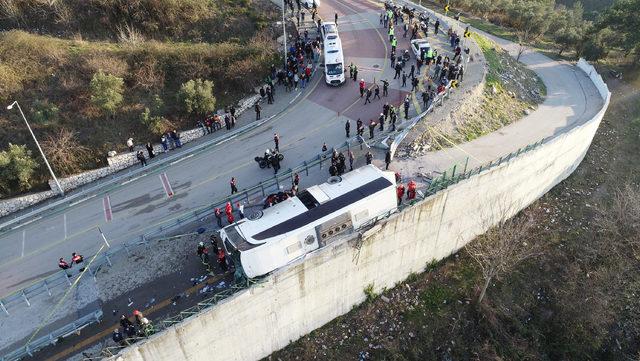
x=387 y=159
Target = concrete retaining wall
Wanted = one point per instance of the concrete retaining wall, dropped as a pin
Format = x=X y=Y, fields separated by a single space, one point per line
x=329 y=282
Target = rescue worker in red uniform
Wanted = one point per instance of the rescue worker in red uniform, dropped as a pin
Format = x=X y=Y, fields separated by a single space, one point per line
x=411 y=190
x=400 y=192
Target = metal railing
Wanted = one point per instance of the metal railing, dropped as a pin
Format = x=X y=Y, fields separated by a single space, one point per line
x=181 y=316
x=53 y=337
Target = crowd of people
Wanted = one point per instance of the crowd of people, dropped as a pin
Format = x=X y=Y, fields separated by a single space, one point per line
x=129 y=331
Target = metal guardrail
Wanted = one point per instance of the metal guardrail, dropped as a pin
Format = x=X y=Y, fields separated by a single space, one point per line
x=183 y=315
x=440 y=183
x=53 y=337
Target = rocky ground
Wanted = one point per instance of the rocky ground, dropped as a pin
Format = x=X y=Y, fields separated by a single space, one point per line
x=510 y=91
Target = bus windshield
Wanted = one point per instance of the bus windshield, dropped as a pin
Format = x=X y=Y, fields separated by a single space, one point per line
x=334 y=69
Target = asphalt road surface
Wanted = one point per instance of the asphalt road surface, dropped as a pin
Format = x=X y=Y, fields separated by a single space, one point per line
x=316 y=116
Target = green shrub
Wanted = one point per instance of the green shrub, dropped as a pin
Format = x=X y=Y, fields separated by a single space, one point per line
x=106 y=91
x=370 y=293
x=197 y=96
x=16 y=169
x=43 y=112
x=156 y=124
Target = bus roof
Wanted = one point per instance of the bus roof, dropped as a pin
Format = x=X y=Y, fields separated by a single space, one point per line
x=311 y=205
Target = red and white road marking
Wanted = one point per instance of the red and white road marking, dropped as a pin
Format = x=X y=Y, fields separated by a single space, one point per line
x=166 y=185
x=106 y=205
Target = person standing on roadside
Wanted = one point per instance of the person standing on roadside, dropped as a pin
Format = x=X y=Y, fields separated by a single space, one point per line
x=130 y=144
x=372 y=127
x=406 y=107
x=218 y=213
x=347 y=127
x=140 y=156
x=258 y=108
x=351 y=159
x=387 y=159
x=369 y=157
x=368 y=97
x=362 y=86
x=234 y=187
x=385 y=88
x=276 y=140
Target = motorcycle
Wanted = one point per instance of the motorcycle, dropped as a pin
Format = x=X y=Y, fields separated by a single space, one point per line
x=264 y=163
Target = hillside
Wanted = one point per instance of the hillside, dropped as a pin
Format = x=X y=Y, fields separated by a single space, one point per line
x=47 y=62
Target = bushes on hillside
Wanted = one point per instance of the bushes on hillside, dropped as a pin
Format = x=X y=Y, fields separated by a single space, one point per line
x=106 y=92
x=43 y=112
x=197 y=97
x=16 y=169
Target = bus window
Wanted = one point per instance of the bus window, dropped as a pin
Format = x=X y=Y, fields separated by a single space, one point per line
x=334 y=69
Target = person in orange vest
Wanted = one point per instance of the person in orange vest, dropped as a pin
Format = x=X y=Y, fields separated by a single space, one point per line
x=400 y=192
x=227 y=208
x=411 y=190
x=230 y=218
x=362 y=86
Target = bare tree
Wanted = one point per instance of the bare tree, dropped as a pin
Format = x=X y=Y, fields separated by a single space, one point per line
x=65 y=152
x=507 y=243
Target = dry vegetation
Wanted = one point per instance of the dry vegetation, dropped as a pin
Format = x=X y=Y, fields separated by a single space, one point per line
x=49 y=58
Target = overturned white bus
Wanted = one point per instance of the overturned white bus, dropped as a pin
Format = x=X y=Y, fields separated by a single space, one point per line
x=317 y=216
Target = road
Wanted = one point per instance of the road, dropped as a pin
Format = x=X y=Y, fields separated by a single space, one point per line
x=316 y=116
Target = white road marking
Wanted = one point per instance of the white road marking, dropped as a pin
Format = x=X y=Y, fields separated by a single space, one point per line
x=64 y=219
x=181 y=159
x=25 y=223
x=294 y=98
x=132 y=179
x=24 y=237
x=82 y=200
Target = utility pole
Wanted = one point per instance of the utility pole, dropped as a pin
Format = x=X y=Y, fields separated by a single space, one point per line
x=284 y=33
x=38 y=145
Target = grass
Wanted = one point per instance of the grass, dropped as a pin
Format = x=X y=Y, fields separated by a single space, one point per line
x=43 y=68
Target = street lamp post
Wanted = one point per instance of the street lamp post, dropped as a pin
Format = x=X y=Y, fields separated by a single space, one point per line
x=37 y=144
x=284 y=33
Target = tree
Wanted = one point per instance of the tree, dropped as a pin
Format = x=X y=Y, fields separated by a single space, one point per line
x=106 y=91
x=65 y=153
x=504 y=246
x=197 y=96
x=16 y=169
x=622 y=18
x=571 y=28
x=531 y=20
